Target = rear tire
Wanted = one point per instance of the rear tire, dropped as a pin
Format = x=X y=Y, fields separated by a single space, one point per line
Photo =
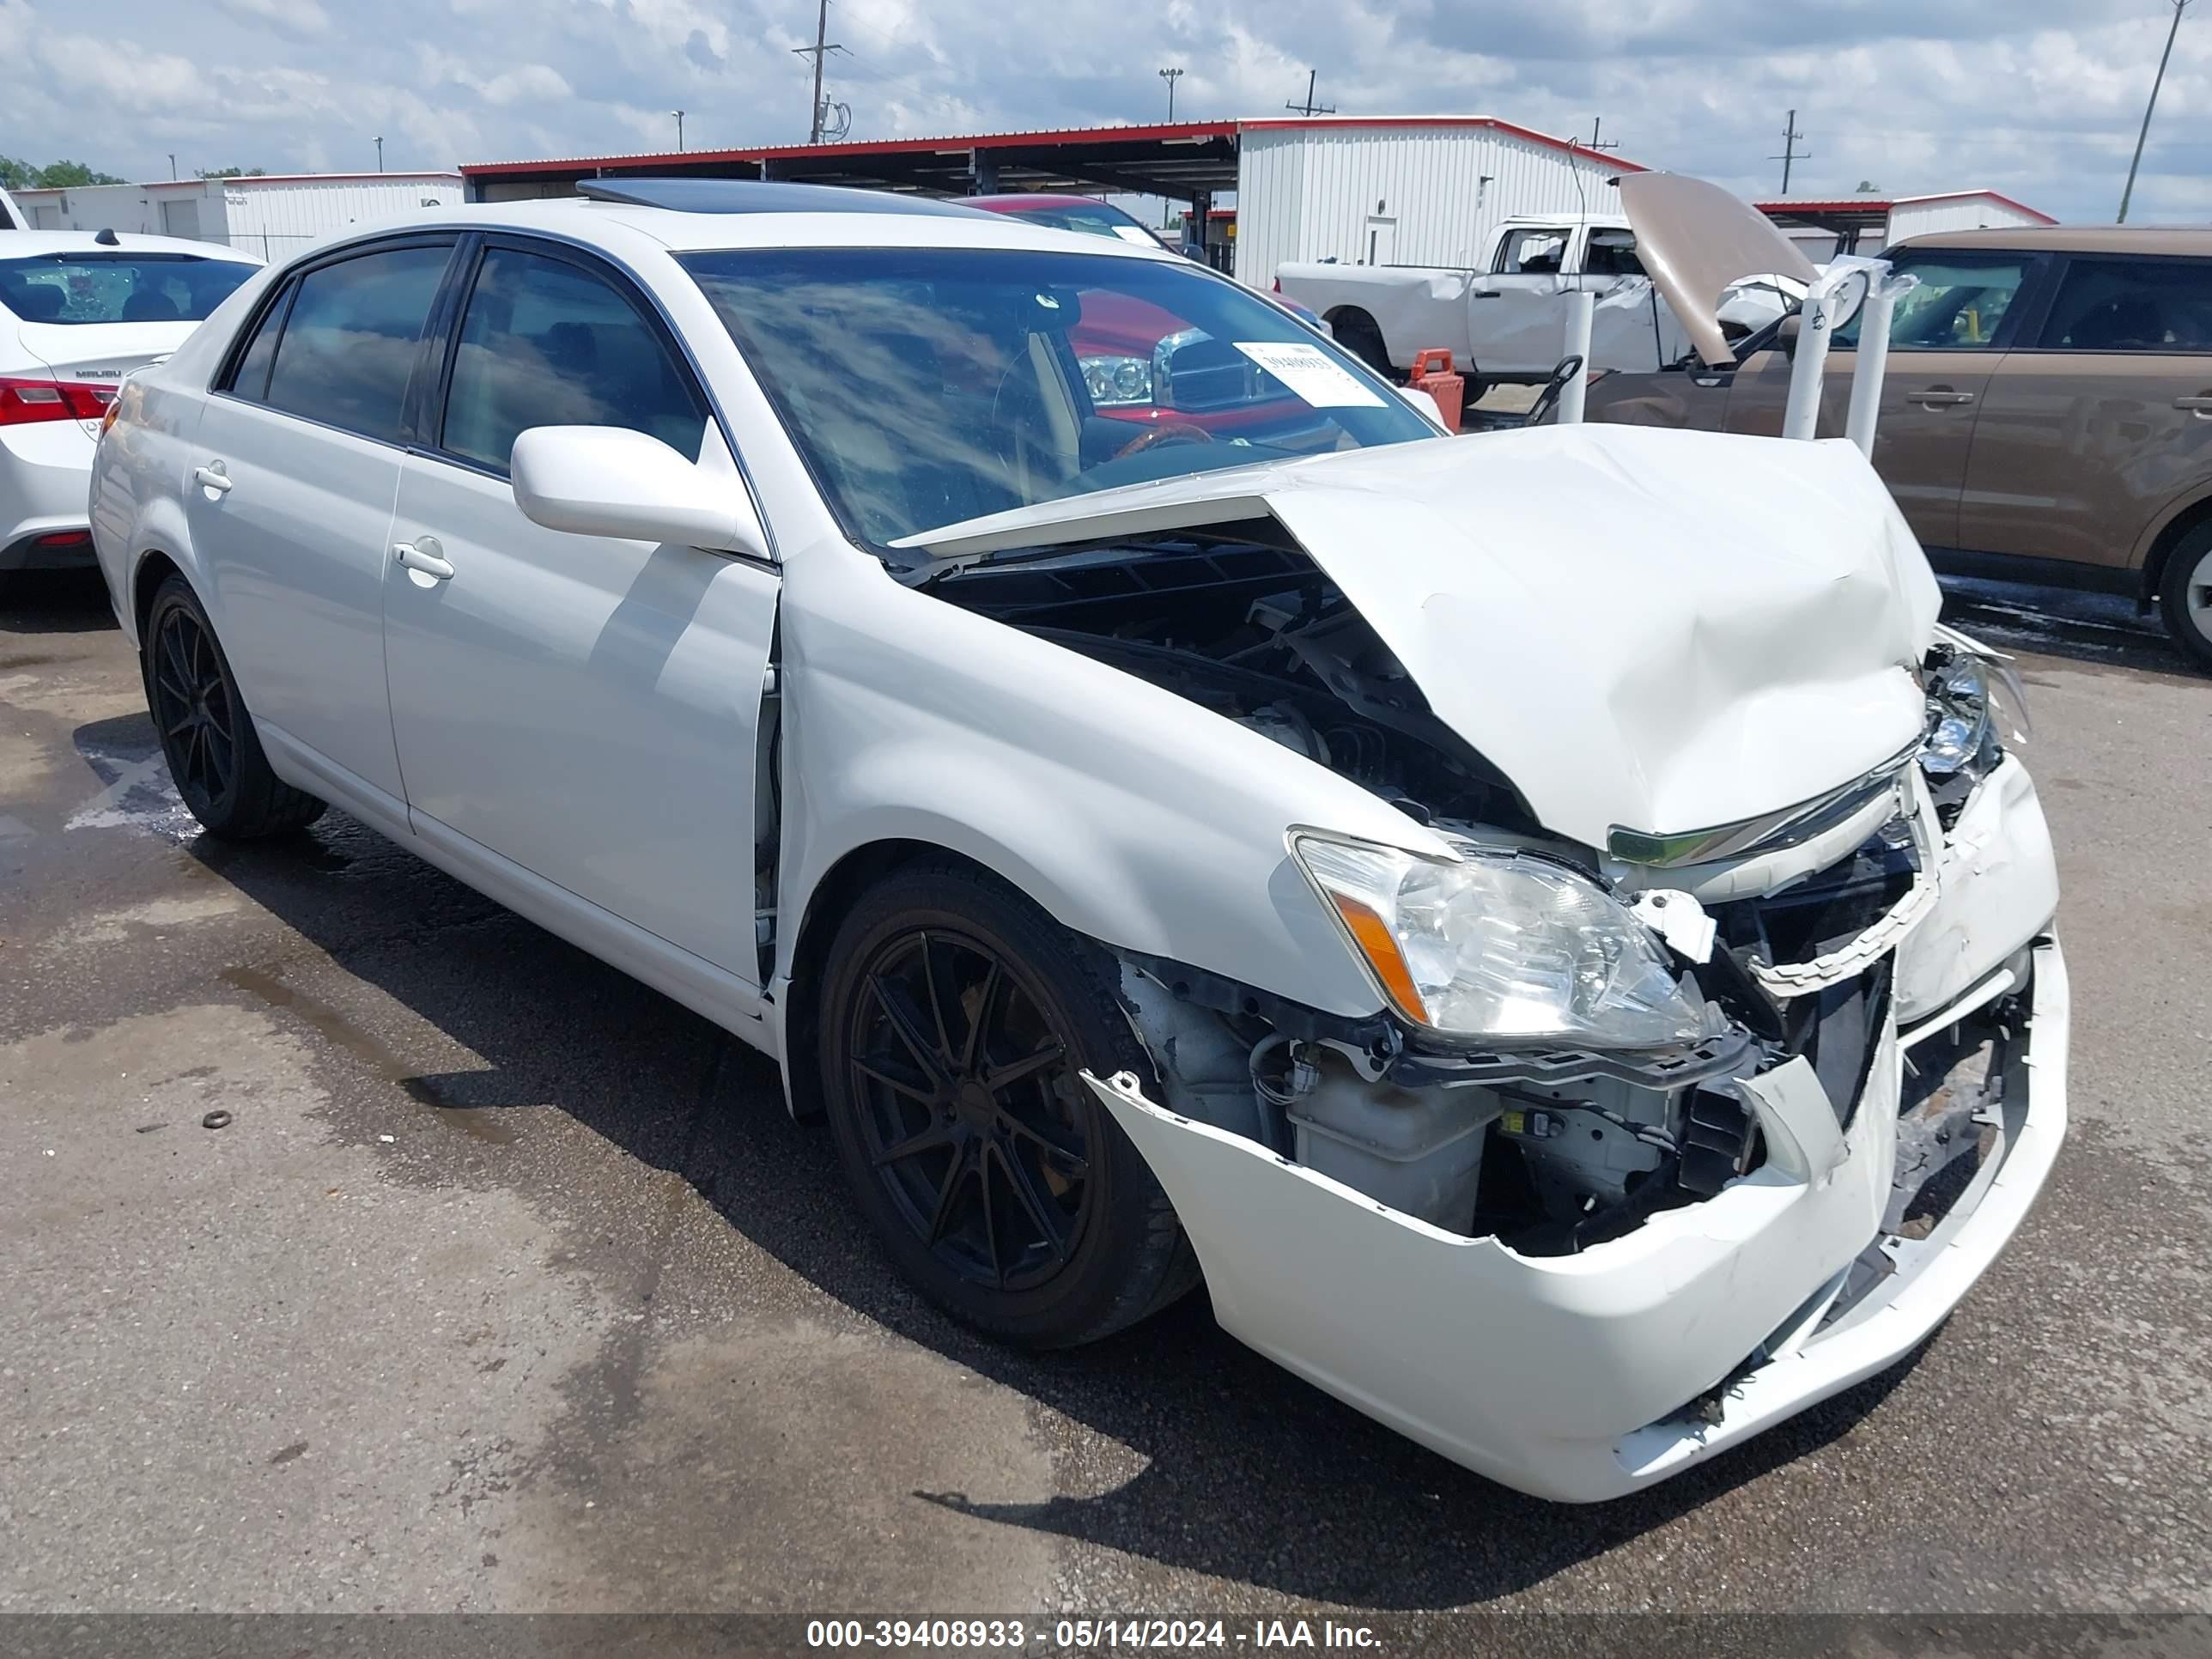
x=207 y=736
x=2184 y=597
x=1020 y=1209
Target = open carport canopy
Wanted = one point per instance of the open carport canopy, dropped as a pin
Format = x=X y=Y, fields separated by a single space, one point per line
x=1187 y=160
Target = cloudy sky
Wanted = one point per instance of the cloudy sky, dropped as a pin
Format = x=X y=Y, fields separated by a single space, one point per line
x=2039 y=98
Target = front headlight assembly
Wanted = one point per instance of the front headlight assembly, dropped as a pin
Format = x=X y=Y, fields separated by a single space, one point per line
x=1504 y=946
x=1976 y=708
x=1117 y=382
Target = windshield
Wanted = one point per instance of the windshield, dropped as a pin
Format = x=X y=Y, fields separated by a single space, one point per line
x=116 y=288
x=925 y=386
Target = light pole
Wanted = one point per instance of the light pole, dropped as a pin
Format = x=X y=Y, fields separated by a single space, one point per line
x=2179 y=6
x=173 y=166
x=1170 y=76
x=678 y=114
x=379 y=153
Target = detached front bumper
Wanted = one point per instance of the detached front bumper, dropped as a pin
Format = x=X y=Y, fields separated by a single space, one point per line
x=1586 y=1376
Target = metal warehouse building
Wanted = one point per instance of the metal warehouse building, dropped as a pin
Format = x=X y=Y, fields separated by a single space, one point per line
x=1386 y=190
x=269 y=214
x=1866 y=224
x=1407 y=190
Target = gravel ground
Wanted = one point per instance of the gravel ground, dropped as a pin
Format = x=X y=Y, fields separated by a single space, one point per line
x=510 y=1285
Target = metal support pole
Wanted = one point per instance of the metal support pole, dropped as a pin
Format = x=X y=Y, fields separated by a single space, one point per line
x=1873 y=364
x=1801 y=418
x=1582 y=306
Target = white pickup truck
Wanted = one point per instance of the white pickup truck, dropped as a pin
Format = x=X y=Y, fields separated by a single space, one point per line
x=1507 y=320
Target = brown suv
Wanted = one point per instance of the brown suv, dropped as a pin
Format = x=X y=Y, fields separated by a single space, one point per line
x=2047 y=414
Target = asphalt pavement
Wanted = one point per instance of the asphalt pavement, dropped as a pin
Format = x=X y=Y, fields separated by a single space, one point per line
x=508 y=1283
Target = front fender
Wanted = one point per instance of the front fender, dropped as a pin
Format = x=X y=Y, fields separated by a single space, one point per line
x=1126 y=813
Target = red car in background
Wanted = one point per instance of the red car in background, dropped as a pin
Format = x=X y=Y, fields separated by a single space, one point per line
x=1141 y=365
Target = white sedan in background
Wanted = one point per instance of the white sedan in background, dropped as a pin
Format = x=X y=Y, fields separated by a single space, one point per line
x=78 y=311
x=1265 y=849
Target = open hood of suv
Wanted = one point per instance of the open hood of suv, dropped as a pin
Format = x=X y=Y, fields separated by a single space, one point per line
x=1698 y=241
x=1653 y=629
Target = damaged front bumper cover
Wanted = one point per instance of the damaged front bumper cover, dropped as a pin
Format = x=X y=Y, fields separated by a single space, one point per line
x=1584 y=1378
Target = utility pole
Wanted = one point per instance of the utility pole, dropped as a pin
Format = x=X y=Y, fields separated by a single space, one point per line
x=1308 y=107
x=1789 y=150
x=823 y=46
x=1170 y=76
x=380 y=158
x=2179 y=6
x=1597 y=126
x=678 y=114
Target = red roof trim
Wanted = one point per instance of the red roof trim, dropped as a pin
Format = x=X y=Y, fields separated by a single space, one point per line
x=1162 y=132
x=1884 y=204
x=952 y=144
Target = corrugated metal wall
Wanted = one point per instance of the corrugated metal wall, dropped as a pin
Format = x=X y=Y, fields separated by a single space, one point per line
x=125 y=208
x=1415 y=195
x=1953 y=213
x=281 y=218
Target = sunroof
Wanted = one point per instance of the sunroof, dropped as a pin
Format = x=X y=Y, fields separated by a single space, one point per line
x=756 y=196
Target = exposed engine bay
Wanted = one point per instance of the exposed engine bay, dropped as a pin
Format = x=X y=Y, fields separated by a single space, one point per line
x=1549 y=1149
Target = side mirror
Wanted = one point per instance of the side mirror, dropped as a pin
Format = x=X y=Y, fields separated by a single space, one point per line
x=1785 y=336
x=609 y=481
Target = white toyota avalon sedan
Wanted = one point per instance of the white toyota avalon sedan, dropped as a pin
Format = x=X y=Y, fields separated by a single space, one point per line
x=79 y=310
x=1546 y=925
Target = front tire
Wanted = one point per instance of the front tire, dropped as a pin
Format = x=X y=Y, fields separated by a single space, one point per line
x=955 y=1019
x=214 y=755
x=2185 y=596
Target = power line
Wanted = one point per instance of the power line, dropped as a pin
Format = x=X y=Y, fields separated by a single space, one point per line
x=1789 y=150
x=2179 y=6
x=1310 y=108
x=822 y=48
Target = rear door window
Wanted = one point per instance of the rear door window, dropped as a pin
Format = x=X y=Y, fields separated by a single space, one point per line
x=350 y=340
x=1529 y=252
x=2152 y=305
x=547 y=342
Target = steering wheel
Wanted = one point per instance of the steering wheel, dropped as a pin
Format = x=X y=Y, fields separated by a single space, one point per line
x=1548 y=399
x=1167 y=432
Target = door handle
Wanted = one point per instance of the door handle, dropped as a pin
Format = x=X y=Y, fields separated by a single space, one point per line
x=212 y=477
x=1488 y=294
x=423 y=554
x=2198 y=406
x=1937 y=397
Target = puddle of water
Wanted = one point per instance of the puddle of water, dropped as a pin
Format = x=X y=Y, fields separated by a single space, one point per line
x=488 y=1124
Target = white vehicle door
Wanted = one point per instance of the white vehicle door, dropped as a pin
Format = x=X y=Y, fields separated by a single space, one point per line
x=583 y=707
x=291 y=474
x=1517 y=321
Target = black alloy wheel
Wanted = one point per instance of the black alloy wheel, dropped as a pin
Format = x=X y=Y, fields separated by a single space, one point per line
x=206 y=733
x=956 y=1021
x=193 y=709
x=969 y=1109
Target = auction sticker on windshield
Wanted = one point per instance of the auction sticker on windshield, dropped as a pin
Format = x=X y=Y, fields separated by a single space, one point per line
x=1308 y=371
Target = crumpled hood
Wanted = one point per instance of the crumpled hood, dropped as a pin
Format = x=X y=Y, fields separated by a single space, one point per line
x=1655 y=630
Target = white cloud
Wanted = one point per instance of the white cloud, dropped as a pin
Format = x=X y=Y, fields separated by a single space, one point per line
x=2039 y=98
x=300 y=16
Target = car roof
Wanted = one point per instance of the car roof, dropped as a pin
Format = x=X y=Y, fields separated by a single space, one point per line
x=2076 y=239
x=800 y=219
x=18 y=243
